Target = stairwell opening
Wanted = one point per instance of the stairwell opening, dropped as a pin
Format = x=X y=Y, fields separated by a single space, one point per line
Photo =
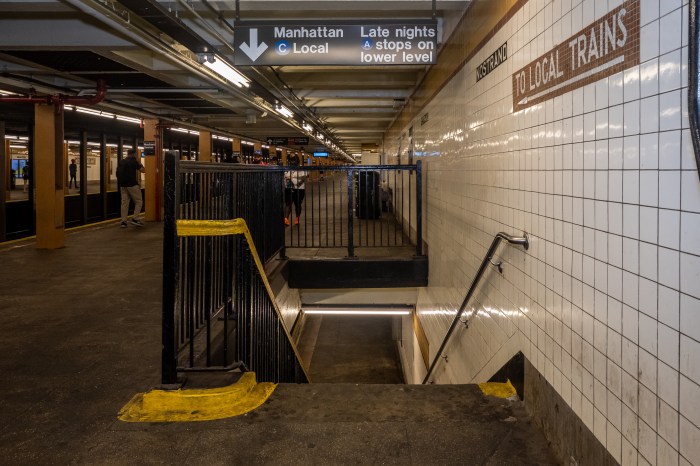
x=352 y=343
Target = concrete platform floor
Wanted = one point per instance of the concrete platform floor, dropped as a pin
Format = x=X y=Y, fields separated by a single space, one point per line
x=80 y=335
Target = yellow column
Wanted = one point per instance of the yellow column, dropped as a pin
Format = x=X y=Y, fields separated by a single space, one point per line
x=257 y=148
x=150 y=135
x=284 y=156
x=48 y=177
x=65 y=166
x=272 y=150
x=236 y=147
x=204 y=146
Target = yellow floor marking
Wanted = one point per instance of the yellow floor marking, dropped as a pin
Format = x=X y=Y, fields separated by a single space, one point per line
x=198 y=404
x=497 y=389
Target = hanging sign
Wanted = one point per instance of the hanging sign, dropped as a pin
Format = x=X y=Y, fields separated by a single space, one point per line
x=358 y=43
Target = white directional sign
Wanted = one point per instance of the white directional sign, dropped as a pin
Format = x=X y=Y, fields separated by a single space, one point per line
x=359 y=43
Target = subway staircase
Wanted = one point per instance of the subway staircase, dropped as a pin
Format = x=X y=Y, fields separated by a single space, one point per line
x=81 y=335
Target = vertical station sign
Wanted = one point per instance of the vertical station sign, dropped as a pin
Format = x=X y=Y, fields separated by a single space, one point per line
x=357 y=43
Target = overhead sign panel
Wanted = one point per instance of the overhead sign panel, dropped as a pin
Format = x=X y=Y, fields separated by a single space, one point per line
x=287 y=141
x=359 y=43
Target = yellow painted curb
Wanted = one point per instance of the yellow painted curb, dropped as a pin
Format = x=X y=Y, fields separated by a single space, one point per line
x=198 y=404
x=499 y=390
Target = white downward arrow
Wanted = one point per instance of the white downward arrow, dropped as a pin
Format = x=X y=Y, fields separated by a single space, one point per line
x=254 y=50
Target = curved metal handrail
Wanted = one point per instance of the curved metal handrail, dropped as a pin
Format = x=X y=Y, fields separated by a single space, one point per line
x=693 y=97
x=521 y=241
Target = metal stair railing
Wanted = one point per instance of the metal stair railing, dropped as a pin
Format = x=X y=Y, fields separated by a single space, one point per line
x=264 y=344
x=488 y=259
x=694 y=78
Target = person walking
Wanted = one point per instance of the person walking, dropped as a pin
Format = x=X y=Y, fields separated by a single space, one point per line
x=73 y=172
x=26 y=175
x=128 y=170
x=295 y=190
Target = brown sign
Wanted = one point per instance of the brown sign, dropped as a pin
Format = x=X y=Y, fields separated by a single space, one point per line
x=605 y=47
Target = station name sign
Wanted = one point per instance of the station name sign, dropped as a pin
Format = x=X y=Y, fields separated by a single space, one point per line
x=603 y=48
x=359 y=43
x=492 y=62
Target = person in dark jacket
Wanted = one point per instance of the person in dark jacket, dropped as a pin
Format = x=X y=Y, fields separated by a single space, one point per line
x=128 y=170
x=73 y=172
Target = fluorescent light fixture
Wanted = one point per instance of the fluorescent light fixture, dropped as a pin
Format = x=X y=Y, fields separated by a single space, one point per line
x=359 y=312
x=129 y=119
x=220 y=67
x=12 y=146
x=90 y=111
x=284 y=111
x=184 y=130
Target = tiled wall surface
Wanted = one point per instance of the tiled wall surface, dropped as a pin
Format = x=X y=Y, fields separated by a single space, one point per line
x=606 y=303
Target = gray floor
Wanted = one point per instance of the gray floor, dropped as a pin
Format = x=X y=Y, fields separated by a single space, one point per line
x=80 y=335
x=350 y=349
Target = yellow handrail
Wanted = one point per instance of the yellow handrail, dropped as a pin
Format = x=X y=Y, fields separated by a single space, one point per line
x=238 y=226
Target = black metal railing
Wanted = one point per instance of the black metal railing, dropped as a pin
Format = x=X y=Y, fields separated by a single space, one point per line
x=694 y=78
x=357 y=206
x=218 y=309
x=216 y=191
x=488 y=259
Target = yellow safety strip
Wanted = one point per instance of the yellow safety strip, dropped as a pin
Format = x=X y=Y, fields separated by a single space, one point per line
x=499 y=390
x=238 y=226
x=198 y=404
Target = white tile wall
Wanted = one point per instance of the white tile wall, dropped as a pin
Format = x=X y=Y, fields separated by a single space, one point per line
x=606 y=302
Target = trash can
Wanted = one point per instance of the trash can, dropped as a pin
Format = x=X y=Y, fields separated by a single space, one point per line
x=367 y=195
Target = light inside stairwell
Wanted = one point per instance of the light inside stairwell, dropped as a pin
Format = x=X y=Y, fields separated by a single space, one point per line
x=359 y=312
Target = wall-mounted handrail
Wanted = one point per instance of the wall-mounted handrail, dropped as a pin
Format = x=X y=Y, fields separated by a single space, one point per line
x=521 y=241
x=693 y=70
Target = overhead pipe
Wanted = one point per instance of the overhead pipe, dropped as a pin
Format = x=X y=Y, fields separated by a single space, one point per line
x=59 y=100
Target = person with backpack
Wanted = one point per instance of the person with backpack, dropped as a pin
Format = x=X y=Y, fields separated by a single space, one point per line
x=128 y=170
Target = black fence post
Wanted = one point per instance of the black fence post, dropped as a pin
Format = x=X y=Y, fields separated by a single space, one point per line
x=170 y=272
x=419 y=208
x=351 y=246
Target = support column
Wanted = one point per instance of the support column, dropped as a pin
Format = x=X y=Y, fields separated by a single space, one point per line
x=236 y=149
x=48 y=177
x=153 y=188
x=66 y=162
x=4 y=179
x=284 y=156
x=257 y=148
x=82 y=180
x=205 y=146
x=272 y=154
